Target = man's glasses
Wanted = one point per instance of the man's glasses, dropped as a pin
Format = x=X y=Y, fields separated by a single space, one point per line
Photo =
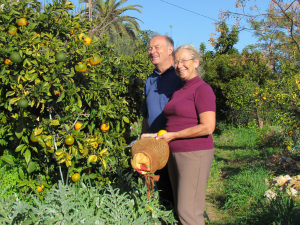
x=183 y=61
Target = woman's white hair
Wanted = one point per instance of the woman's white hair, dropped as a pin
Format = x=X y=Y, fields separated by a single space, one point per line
x=193 y=50
x=194 y=54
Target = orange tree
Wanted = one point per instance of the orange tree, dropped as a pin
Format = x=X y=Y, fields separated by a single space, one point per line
x=249 y=90
x=54 y=79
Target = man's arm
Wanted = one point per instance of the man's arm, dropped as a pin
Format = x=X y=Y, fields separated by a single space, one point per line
x=145 y=128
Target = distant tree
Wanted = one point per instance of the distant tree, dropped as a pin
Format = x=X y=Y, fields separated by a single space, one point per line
x=278 y=29
x=109 y=18
x=263 y=81
x=227 y=39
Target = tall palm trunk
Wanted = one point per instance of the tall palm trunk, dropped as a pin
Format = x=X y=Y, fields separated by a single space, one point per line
x=90 y=10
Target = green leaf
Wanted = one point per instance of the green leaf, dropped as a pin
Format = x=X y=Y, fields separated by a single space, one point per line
x=54 y=122
x=38 y=131
x=79 y=102
x=7 y=159
x=125 y=119
x=60 y=98
x=19 y=148
x=19 y=134
x=109 y=143
x=10 y=93
x=31 y=167
x=93 y=176
x=27 y=156
x=21 y=173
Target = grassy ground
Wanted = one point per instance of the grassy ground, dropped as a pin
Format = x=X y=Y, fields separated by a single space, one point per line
x=246 y=159
x=237 y=183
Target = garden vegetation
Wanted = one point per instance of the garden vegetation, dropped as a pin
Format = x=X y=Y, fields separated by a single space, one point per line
x=71 y=89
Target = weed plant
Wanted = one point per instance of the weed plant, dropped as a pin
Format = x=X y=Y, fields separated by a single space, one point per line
x=280 y=210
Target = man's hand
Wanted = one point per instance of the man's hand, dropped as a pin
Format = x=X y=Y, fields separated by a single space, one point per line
x=148 y=135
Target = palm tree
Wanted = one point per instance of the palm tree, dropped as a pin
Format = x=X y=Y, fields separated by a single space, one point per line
x=108 y=17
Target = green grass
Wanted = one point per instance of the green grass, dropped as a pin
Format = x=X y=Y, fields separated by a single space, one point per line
x=237 y=181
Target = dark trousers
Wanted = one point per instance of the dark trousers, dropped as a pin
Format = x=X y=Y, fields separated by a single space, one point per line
x=164 y=186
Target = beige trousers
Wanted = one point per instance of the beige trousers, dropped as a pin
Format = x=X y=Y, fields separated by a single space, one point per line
x=189 y=172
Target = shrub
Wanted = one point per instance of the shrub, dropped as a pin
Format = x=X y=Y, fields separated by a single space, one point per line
x=272 y=136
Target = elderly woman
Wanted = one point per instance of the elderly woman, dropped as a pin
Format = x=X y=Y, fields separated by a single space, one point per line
x=191 y=120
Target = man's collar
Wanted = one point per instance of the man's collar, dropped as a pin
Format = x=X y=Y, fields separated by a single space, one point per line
x=158 y=73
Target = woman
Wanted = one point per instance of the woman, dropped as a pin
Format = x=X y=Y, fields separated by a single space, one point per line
x=191 y=119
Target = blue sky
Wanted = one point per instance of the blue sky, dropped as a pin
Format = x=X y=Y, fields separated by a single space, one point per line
x=192 y=21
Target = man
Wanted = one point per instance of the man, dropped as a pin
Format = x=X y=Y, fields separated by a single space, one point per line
x=159 y=88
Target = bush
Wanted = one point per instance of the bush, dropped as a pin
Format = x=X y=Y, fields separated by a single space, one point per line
x=272 y=136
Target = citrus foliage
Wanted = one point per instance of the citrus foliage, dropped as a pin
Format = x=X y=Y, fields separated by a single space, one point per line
x=51 y=84
x=250 y=87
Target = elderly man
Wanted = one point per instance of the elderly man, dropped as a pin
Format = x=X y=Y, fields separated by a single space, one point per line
x=159 y=88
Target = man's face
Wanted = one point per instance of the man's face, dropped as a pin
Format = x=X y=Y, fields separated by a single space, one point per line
x=159 y=52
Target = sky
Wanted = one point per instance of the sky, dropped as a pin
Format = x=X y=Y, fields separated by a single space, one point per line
x=187 y=21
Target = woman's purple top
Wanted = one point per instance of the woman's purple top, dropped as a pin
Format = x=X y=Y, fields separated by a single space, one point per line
x=183 y=110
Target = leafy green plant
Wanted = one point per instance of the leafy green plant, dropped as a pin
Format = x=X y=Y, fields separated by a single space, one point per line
x=82 y=204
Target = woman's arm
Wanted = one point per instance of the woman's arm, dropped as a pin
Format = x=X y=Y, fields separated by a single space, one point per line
x=207 y=126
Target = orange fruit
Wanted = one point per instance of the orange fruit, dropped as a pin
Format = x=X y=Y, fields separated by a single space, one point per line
x=94 y=60
x=12 y=30
x=55 y=92
x=69 y=140
x=80 y=67
x=288 y=148
x=77 y=25
x=161 y=132
x=88 y=40
x=39 y=189
x=75 y=177
x=34 y=138
x=60 y=57
x=104 y=127
x=7 y=61
x=77 y=125
x=15 y=57
x=95 y=144
x=22 y=103
x=21 y=22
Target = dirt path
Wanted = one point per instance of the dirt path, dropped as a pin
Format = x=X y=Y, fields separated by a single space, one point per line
x=216 y=216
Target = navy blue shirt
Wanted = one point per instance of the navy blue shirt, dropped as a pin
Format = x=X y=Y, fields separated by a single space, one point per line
x=158 y=90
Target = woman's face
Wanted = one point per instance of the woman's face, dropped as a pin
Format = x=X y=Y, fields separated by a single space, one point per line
x=185 y=65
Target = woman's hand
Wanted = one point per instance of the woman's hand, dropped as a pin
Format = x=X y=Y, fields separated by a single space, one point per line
x=167 y=136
